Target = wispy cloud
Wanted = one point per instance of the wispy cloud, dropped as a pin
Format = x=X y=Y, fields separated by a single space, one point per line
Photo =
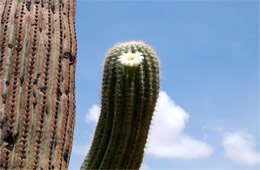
x=167 y=138
x=240 y=147
x=93 y=114
x=80 y=149
x=144 y=166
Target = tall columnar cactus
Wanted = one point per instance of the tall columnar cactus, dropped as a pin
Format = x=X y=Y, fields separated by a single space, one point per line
x=37 y=66
x=129 y=93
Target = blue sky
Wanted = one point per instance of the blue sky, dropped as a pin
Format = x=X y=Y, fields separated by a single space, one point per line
x=209 y=57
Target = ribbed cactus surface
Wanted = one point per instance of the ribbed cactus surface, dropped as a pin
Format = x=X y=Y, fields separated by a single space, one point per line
x=37 y=70
x=129 y=93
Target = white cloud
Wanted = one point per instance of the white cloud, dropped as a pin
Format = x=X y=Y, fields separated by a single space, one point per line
x=93 y=114
x=167 y=139
x=240 y=147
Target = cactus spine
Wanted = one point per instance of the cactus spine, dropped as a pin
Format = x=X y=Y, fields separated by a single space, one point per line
x=37 y=68
x=129 y=93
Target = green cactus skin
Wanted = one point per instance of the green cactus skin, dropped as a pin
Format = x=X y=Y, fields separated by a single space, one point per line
x=37 y=70
x=129 y=95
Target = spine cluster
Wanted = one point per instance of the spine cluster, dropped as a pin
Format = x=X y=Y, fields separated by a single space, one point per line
x=129 y=92
x=37 y=74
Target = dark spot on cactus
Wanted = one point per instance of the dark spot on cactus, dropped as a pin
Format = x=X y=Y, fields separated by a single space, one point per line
x=10 y=46
x=40 y=29
x=67 y=91
x=66 y=156
x=66 y=55
x=58 y=93
x=19 y=47
x=1 y=124
x=22 y=80
x=28 y=5
x=4 y=98
x=10 y=140
x=38 y=75
x=53 y=9
x=72 y=59
x=35 y=81
x=35 y=99
x=43 y=89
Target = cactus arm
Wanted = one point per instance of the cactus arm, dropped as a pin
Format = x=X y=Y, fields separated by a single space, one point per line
x=129 y=94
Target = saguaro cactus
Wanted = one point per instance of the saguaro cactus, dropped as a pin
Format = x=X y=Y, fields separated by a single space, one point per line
x=129 y=93
x=37 y=66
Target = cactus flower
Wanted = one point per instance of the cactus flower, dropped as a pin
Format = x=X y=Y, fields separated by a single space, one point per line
x=131 y=59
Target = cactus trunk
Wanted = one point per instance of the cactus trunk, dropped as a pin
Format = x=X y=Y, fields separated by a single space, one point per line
x=37 y=70
x=129 y=93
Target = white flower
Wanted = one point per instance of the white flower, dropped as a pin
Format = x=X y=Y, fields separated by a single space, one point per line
x=131 y=59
